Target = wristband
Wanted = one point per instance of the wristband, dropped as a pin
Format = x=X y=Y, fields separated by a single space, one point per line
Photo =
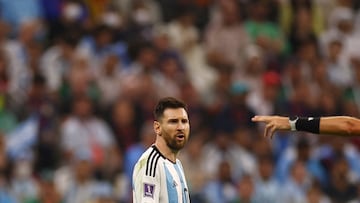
x=292 y=122
x=308 y=124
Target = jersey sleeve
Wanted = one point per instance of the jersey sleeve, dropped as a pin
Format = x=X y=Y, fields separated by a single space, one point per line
x=146 y=185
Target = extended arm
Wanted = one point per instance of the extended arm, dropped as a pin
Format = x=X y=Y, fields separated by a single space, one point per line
x=340 y=125
x=332 y=125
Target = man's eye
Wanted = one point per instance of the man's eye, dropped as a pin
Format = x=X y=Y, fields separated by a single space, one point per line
x=173 y=121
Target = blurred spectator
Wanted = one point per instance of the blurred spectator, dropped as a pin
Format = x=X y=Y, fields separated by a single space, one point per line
x=320 y=80
x=183 y=34
x=109 y=81
x=222 y=188
x=235 y=112
x=185 y=37
x=225 y=37
x=57 y=61
x=316 y=15
x=262 y=147
x=8 y=117
x=6 y=194
x=47 y=190
x=143 y=16
x=81 y=185
x=171 y=77
x=342 y=29
x=163 y=46
x=220 y=148
x=97 y=46
x=96 y=8
x=307 y=55
x=38 y=100
x=332 y=149
x=82 y=129
x=20 y=56
x=112 y=17
x=254 y=68
x=42 y=104
x=338 y=72
x=301 y=101
x=263 y=32
x=246 y=190
x=339 y=188
x=296 y=187
x=4 y=160
x=143 y=71
x=143 y=9
x=352 y=92
x=301 y=28
x=340 y=25
x=316 y=195
x=357 y=199
x=80 y=82
x=16 y=13
x=51 y=11
x=265 y=100
x=302 y=152
x=69 y=16
x=123 y=123
x=23 y=184
x=103 y=194
x=116 y=181
x=266 y=187
x=329 y=104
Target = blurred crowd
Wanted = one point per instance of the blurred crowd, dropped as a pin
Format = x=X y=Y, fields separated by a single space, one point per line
x=79 y=80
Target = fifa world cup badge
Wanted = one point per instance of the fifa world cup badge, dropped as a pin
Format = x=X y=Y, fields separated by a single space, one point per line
x=149 y=190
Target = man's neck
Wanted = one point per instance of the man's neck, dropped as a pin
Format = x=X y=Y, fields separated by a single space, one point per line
x=166 y=151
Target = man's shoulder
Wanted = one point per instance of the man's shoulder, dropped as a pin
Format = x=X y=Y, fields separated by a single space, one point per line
x=149 y=161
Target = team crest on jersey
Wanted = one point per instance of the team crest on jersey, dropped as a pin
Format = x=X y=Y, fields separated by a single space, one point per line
x=149 y=190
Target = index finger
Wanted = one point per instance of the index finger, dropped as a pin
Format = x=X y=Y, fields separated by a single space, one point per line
x=261 y=119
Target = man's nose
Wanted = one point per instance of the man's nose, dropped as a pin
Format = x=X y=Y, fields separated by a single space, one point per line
x=181 y=126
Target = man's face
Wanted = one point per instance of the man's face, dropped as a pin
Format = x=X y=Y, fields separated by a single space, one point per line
x=174 y=127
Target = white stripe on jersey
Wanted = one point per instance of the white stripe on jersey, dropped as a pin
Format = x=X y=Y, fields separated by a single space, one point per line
x=158 y=180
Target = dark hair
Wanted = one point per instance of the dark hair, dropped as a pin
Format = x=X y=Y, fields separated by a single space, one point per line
x=38 y=80
x=167 y=103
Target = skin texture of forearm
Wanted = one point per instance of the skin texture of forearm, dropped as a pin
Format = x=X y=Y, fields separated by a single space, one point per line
x=340 y=125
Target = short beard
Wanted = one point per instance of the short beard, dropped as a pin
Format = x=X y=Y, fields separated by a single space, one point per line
x=174 y=146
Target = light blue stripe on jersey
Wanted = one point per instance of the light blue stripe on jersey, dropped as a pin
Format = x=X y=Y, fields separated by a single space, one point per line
x=171 y=188
x=183 y=189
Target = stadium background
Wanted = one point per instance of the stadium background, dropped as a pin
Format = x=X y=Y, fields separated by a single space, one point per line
x=79 y=80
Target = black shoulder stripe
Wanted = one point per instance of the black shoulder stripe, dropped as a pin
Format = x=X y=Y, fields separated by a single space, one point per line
x=158 y=151
x=153 y=164
x=147 y=172
x=152 y=161
x=156 y=160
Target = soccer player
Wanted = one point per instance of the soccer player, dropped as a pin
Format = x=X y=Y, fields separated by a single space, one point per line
x=330 y=125
x=158 y=175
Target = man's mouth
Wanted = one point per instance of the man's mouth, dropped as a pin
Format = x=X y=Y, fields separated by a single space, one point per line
x=180 y=136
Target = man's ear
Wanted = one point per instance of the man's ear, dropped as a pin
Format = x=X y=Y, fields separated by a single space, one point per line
x=157 y=127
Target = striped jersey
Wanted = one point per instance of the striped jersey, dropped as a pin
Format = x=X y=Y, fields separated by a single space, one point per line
x=159 y=180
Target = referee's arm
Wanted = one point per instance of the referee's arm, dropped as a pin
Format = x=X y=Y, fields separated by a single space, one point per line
x=331 y=125
x=340 y=125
